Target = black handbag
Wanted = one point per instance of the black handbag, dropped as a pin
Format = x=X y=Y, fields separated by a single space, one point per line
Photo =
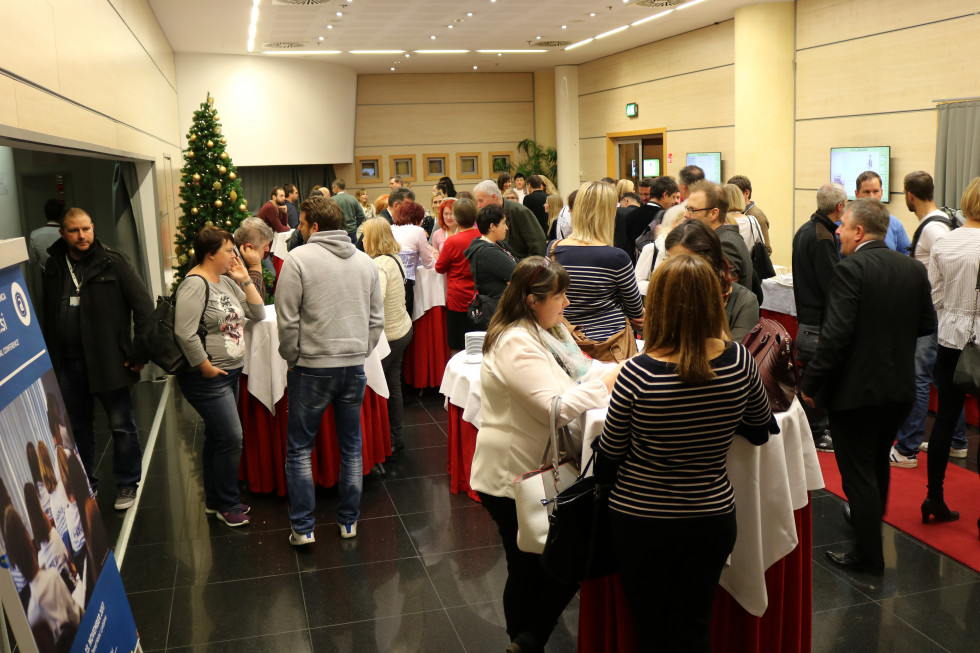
x=761 y=262
x=579 y=545
x=966 y=376
x=160 y=336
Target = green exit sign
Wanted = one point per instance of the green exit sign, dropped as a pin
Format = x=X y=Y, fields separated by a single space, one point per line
x=632 y=110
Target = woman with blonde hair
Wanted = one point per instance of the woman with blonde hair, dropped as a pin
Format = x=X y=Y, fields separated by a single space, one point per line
x=380 y=245
x=362 y=198
x=603 y=291
x=624 y=186
x=673 y=414
x=553 y=206
x=748 y=227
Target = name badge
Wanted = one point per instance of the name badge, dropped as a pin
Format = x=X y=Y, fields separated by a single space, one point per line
x=74 y=301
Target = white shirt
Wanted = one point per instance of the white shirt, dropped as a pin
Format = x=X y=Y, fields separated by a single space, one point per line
x=748 y=229
x=953 y=275
x=415 y=248
x=564 y=227
x=928 y=237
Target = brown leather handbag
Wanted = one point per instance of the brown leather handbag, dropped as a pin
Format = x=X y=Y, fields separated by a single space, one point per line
x=615 y=349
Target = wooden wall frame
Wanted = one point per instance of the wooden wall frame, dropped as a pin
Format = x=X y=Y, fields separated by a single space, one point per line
x=359 y=167
x=500 y=155
x=396 y=166
x=429 y=175
x=612 y=137
x=466 y=172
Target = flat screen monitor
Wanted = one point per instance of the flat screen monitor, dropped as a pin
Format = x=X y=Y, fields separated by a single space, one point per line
x=651 y=167
x=846 y=163
x=710 y=162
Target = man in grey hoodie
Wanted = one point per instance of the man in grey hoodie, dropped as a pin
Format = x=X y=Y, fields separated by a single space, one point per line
x=330 y=317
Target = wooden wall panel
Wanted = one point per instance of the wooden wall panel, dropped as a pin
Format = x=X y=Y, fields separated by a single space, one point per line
x=890 y=72
x=423 y=88
x=828 y=21
x=142 y=21
x=423 y=124
x=719 y=139
x=28 y=48
x=704 y=48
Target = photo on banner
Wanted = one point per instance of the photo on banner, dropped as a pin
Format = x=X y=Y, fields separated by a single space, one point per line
x=54 y=541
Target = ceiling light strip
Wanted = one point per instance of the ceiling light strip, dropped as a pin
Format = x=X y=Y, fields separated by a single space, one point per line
x=253 y=24
x=376 y=51
x=510 y=51
x=612 y=31
x=689 y=4
x=653 y=17
x=580 y=43
x=301 y=52
x=440 y=51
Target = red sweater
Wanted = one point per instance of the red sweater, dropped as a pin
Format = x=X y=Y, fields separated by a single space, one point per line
x=452 y=262
x=271 y=215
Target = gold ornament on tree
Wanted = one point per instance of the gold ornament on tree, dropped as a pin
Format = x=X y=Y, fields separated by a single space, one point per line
x=193 y=210
x=217 y=204
x=224 y=155
x=210 y=100
x=241 y=207
x=190 y=154
x=233 y=195
x=196 y=177
x=222 y=169
x=208 y=224
x=178 y=250
x=232 y=176
x=182 y=260
x=217 y=186
x=191 y=251
x=193 y=138
x=217 y=130
x=227 y=223
x=210 y=144
x=223 y=140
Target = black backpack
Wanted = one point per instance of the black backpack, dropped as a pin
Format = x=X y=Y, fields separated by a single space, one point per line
x=648 y=235
x=952 y=220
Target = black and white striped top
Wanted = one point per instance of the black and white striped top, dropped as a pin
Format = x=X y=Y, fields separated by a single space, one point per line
x=667 y=442
x=603 y=287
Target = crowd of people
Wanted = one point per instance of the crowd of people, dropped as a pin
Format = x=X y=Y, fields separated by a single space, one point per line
x=880 y=316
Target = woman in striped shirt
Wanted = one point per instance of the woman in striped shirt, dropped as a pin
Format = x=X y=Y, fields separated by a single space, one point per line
x=953 y=274
x=603 y=291
x=672 y=416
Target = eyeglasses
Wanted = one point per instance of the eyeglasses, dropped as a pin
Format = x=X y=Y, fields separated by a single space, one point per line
x=545 y=262
x=694 y=211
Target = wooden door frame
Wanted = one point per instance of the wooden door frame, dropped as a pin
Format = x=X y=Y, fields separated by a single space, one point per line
x=612 y=137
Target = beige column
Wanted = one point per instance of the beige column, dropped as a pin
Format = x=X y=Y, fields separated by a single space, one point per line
x=544 y=108
x=765 y=47
x=566 y=128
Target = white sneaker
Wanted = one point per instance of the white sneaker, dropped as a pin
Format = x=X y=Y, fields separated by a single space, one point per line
x=896 y=459
x=953 y=452
x=300 y=539
x=348 y=531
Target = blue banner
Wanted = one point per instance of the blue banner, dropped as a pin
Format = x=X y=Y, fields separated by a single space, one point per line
x=23 y=355
x=108 y=623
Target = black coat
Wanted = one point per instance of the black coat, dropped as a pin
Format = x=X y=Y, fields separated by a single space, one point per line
x=114 y=303
x=491 y=266
x=535 y=200
x=879 y=302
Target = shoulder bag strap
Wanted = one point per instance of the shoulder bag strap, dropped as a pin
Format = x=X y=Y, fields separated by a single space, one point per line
x=973 y=322
x=397 y=263
x=202 y=328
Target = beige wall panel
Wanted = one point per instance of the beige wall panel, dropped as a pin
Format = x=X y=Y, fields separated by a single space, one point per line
x=911 y=136
x=662 y=103
x=478 y=87
x=142 y=21
x=37 y=111
x=805 y=202
x=544 y=108
x=720 y=139
x=826 y=76
x=8 y=101
x=592 y=158
x=856 y=18
x=409 y=124
x=28 y=47
x=713 y=46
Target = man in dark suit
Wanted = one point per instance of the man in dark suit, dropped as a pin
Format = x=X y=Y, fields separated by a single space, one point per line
x=879 y=302
x=629 y=204
x=536 y=199
x=397 y=196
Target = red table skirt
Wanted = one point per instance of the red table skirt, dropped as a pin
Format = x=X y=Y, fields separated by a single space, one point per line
x=264 y=441
x=462 y=444
x=605 y=624
x=428 y=353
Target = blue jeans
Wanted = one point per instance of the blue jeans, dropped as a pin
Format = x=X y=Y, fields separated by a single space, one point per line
x=216 y=400
x=311 y=390
x=912 y=432
x=127 y=460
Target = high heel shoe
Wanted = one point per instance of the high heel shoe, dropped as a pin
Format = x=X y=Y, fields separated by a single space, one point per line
x=939 y=510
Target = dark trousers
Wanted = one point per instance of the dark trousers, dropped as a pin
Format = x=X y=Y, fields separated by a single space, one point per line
x=947 y=414
x=670 y=570
x=392 y=366
x=127 y=459
x=533 y=600
x=807 y=338
x=862 y=442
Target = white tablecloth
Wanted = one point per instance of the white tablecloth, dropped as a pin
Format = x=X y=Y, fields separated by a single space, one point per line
x=430 y=290
x=778 y=295
x=770 y=482
x=266 y=369
x=278 y=248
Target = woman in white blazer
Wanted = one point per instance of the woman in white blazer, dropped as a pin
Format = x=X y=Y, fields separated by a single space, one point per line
x=529 y=357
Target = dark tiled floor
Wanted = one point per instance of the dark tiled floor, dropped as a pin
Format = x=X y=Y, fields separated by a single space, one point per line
x=426 y=571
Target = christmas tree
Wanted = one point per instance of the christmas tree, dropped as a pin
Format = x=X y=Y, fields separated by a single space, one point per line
x=211 y=192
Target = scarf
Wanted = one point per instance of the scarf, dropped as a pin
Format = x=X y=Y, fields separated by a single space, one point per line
x=567 y=354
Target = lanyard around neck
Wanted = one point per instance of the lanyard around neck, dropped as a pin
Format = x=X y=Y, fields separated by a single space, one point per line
x=71 y=271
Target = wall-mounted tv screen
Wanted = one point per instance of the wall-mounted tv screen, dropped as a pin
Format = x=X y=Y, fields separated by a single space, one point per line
x=846 y=163
x=710 y=162
x=651 y=167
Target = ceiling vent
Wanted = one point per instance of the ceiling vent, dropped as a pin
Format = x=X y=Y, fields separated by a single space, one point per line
x=655 y=4
x=551 y=44
x=284 y=45
x=303 y=3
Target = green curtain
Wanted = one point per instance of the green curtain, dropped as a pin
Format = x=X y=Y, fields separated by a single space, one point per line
x=957 y=150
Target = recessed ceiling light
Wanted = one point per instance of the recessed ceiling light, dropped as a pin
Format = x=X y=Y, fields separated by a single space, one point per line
x=500 y=54
x=340 y=13
x=469 y=13
x=538 y=38
x=449 y=26
x=433 y=37
x=475 y=67
x=329 y=26
x=319 y=38
x=392 y=68
x=564 y=26
x=408 y=56
x=592 y=14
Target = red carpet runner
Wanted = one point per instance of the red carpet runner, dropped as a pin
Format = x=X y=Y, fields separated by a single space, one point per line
x=959 y=539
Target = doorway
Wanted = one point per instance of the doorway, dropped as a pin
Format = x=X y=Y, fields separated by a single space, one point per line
x=628 y=160
x=635 y=155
